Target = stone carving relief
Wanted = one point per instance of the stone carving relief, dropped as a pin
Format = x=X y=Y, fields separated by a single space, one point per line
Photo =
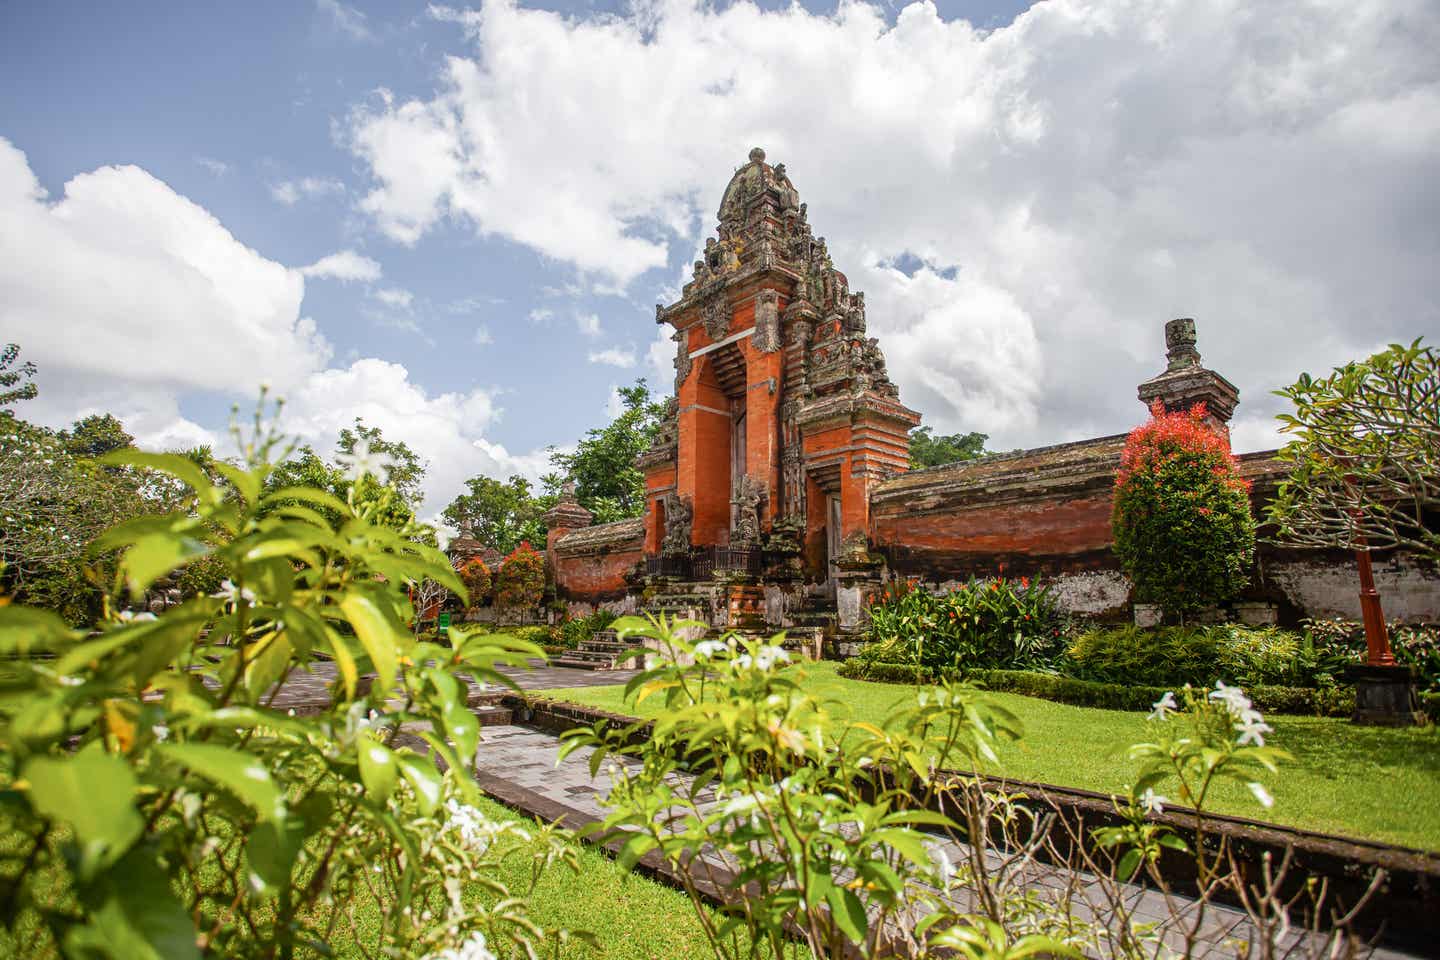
x=767 y=321
x=715 y=315
x=682 y=358
x=745 y=528
x=678 y=518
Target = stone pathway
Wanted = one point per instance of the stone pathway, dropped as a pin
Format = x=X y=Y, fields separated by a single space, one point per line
x=518 y=766
x=308 y=689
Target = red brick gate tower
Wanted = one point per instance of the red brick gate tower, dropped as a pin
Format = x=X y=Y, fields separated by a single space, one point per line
x=783 y=416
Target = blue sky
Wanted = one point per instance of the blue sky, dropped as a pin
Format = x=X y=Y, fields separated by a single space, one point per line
x=511 y=189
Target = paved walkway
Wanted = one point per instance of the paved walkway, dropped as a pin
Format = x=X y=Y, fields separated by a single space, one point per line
x=518 y=765
x=304 y=689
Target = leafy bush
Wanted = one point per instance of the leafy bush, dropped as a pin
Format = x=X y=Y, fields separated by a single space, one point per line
x=1181 y=518
x=1173 y=656
x=988 y=623
x=851 y=845
x=521 y=581
x=476 y=577
x=577 y=630
x=157 y=805
x=539 y=634
x=1338 y=643
x=1323 y=701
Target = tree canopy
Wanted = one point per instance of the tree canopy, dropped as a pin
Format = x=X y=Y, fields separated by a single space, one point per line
x=500 y=513
x=1365 y=455
x=602 y=466
x=928 y=450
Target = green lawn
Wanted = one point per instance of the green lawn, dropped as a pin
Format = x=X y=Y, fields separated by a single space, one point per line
x=1366 y=782
x=632 y=916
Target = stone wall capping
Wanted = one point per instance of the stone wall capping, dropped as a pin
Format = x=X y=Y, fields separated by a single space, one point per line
x=621 y=534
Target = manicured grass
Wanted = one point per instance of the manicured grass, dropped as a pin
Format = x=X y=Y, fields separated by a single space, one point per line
x=632 y=916
x=1367 y=782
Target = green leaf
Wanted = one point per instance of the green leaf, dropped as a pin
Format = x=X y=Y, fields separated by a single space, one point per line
x=93 y=792
x=848 y=913
x=238 y=772
x=378 y=769
x=463 y=729
x=271 y=850
x=151 y=557
x=379 y=635
x=312 y=495
x=140 y=916
x=181 y=468
x=244 y=482
x=424 y=778
x=26 y=629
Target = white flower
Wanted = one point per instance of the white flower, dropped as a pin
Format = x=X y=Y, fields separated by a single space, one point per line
x=361 y=460
x=228 y=591
x=1262 y=795
x=1162 y=708
x=162 y=732
x=1234 y=700
x=130 y=616
x=472 y=949
x=474 y=829
x=1152 y=801
x=1252 y=731
x=706 y=649
x=944 y=866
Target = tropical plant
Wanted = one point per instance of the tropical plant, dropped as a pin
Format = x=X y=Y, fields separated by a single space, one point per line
x=158 y=803
x=1365 y=455
x=858 y=842
x=982 y=623
x=1181 y=518
x=520 y=583
x=478 y=582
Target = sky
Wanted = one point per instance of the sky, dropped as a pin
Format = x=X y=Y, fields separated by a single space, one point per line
x=455 y=222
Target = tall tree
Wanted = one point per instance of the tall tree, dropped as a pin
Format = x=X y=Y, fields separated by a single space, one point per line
x=602 y=465
x=15 y=382
x=1365 y=458
x=500 y=513
x=95 y=436
x=928 y=450
x=407 y=470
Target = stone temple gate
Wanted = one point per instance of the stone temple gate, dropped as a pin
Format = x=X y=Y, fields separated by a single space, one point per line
x=783 y=417
x=777 y=490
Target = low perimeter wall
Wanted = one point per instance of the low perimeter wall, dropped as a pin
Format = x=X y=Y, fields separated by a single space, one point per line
x=590 y=564
x=1046 y=513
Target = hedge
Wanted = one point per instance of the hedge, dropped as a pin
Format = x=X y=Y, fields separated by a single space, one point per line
x=1334 y=702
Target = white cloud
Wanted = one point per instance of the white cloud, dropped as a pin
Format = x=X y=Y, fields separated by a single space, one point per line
x=394 y=297
x=483 y=337
x=588 y=324
x=289 y=192
x=124 y=278
x=346 y=19
x=130 y=298
x=541 y=316
x=345 y=265
x=1092 y=170
x=217 y=168
x=615 y=357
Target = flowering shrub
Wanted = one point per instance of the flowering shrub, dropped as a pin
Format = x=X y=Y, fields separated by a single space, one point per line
x=521 y=581
x=476 y=577
x=983 y=623
x=1181 y=518
x=157 y=804
x=858 y=842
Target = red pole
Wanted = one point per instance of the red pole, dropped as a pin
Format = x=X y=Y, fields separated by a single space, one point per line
x=1377 y=637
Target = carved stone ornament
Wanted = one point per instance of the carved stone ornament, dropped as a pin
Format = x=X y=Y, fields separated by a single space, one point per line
x=678 y=517
x=715 y=315
x=767 y=321
x=749 y=494
x=682 y=358
x=1180 y=344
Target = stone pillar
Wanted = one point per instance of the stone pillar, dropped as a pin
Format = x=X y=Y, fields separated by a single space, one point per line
x=1185 y=382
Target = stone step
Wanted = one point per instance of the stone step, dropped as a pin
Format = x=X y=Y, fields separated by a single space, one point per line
x=493 y=716
x=577 y=664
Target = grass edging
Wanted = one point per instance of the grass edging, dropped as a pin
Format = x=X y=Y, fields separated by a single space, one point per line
x=1303 y=701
